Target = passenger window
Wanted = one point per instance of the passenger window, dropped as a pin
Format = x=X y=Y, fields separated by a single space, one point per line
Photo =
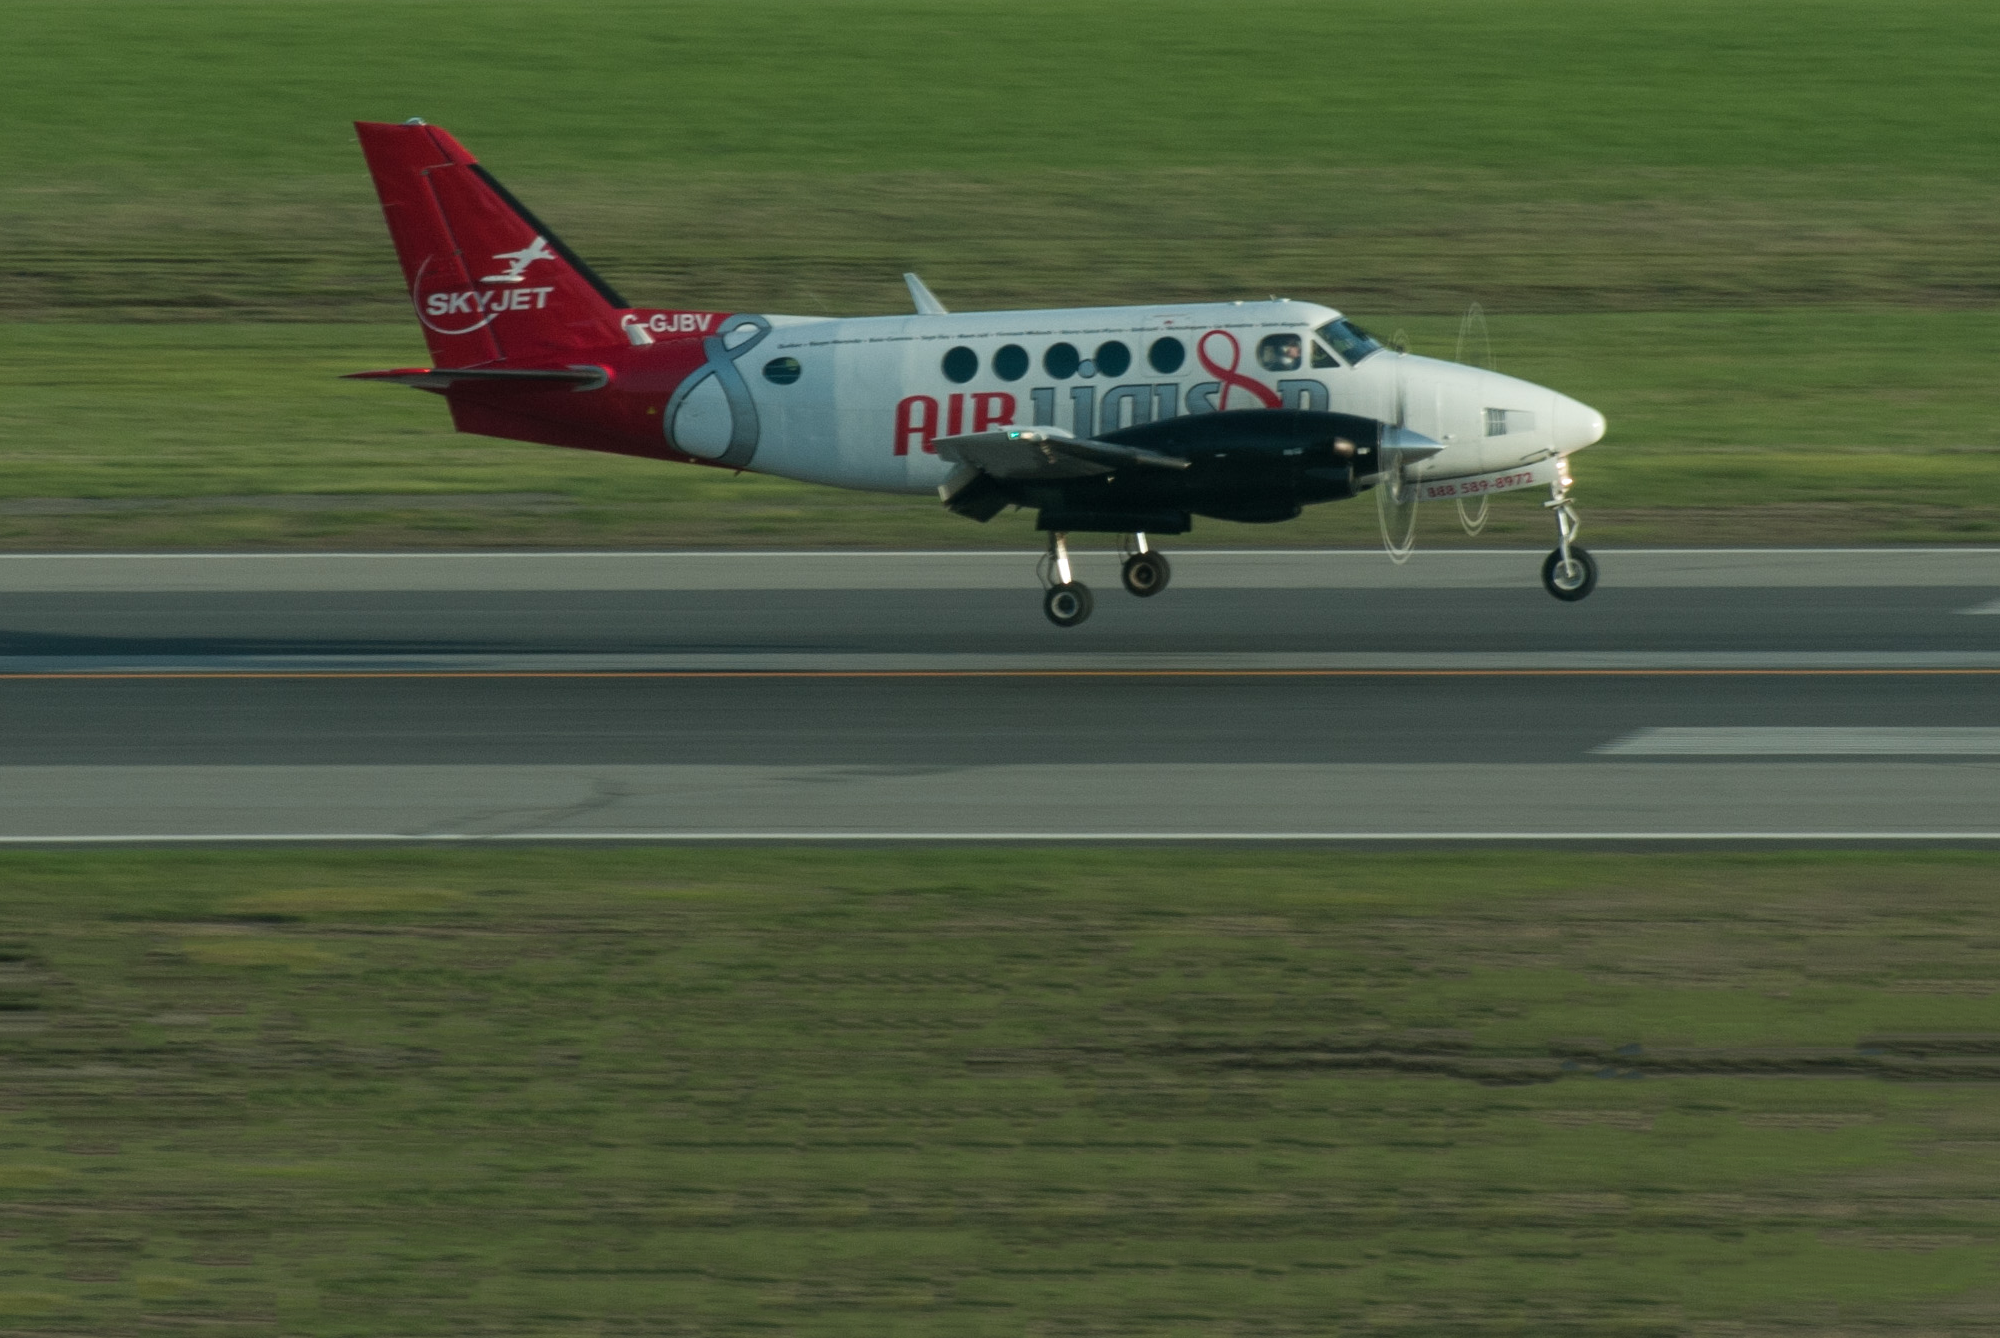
x=1167 y=354
x=961 y=364
x=1322 y=358
x=1113 y=358
x=1010 y=362
x=1061 y=361
x=1278 y=353
x=781 y=371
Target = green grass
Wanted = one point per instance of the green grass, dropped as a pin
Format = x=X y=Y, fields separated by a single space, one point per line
x=1756 y=235
x=194 y=157
x=848 y=85
x=833 y=1092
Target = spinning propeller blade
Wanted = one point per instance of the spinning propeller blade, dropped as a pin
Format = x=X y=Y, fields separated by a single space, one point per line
x=1395 y=502
x=1475 y=349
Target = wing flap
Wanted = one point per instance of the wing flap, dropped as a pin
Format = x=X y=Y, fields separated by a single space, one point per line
x=1046 y=453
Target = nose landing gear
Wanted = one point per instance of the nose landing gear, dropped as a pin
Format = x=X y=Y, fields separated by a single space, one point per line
x=1145 y=572
x=1569 y=572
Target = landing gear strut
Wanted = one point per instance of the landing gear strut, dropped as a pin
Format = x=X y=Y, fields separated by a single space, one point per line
x=1066 y=600
x=1569 y=572
x=1146 y=571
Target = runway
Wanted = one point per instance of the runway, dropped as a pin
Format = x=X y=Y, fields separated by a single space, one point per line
x=1748 y=695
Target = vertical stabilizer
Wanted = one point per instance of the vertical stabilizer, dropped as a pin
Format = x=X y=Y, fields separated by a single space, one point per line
x=487 y=279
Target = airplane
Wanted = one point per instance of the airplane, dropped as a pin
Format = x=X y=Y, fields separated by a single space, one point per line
x=518 y=261
x=1123 y=420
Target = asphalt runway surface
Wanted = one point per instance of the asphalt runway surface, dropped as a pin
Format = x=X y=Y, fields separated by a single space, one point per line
x=1748 y=695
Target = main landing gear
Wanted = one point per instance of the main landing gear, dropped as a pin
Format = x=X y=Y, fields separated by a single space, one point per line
x=1145 y=571
x=1569 y=572
x=1067 y=600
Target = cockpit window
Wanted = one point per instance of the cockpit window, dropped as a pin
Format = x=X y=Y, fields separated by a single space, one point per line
x=1322 y=358
x=1278 y=353
x=1349 y=340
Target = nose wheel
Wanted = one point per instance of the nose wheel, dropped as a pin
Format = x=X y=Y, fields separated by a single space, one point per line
x=1569 y=572
x=1569 y=579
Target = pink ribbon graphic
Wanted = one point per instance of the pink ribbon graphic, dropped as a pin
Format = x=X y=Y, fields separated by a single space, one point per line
x=1229 y=376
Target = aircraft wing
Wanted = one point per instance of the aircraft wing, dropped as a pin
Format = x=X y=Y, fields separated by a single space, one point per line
x=1046 y=453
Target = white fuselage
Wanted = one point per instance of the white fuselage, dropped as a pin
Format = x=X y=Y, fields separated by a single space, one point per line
x=857 y=402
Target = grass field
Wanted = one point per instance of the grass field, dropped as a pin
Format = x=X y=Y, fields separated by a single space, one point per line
x=1758 y=236
x=670 y=1091
x=1545 y=155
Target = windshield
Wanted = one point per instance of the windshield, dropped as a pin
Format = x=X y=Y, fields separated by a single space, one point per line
x=1349 y=340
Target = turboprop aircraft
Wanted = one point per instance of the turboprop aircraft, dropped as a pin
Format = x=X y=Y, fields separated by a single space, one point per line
x=1121 y=420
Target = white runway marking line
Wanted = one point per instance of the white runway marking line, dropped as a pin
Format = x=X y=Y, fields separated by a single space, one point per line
x=1990 y=606
x=1806 y=741
x=1975 y=570
x=968 y=838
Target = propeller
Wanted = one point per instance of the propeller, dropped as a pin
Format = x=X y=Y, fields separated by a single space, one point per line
x=1395 y=500
x=1475 y=349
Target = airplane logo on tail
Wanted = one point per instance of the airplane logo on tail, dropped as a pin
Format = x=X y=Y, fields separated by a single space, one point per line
x=518 y=261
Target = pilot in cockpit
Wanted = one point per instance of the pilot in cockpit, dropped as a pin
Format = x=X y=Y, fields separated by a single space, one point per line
x=1279 y=353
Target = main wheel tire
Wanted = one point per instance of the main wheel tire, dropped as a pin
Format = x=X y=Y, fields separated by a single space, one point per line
x=1067 y=605
x=1573 y=584
x=1146 y=574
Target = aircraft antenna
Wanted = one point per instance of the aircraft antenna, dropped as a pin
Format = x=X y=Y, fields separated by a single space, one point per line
x=926 y=300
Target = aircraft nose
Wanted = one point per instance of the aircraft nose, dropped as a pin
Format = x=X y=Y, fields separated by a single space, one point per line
x=1576 y=425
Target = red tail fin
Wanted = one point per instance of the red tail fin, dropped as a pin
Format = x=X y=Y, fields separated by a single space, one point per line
x=489 y=282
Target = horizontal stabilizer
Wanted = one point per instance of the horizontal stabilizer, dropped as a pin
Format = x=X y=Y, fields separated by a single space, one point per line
x=443 y=378
x=1046 y=453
